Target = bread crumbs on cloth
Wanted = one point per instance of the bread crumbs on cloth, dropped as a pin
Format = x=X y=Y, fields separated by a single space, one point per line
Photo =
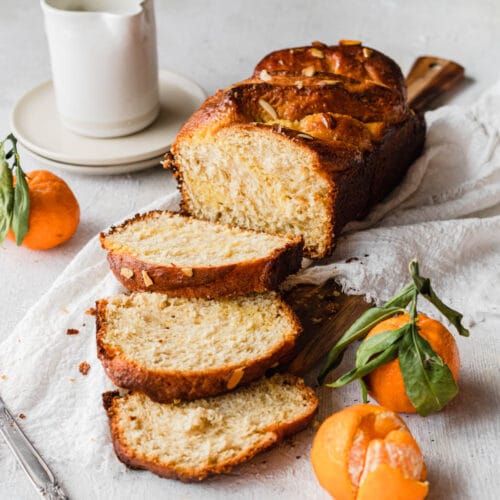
x=84 y=367
x=72 y=331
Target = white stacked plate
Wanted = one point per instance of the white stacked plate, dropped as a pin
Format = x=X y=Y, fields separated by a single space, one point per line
x=35 y=122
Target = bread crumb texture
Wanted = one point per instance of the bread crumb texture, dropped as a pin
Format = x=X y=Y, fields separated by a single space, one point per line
x=198 y=437
x=170 y=333
x=165 y=238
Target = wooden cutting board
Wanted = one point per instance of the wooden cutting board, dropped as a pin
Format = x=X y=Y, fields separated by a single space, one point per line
x=324 y=311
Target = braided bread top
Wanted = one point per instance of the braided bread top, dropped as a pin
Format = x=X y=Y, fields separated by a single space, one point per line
x=345 y=93
x=349 y=59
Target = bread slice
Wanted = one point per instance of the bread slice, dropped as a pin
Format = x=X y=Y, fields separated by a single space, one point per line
x=311 y=141
x=177 y=348
x=163 y=251
x=191 y=440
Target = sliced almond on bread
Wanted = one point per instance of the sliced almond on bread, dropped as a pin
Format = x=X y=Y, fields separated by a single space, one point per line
x=191 y=440
x=178 y=348
x=163 y=251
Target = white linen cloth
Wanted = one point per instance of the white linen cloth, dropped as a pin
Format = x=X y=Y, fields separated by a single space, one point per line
x=433 y=215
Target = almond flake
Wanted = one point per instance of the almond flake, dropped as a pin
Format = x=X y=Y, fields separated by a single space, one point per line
x=147 y=280
x=187 y=271
x=268 y=109
x=299 y=84
x=308 y=71
x=264 y=75
x=367 y=52
x=126 y=272
x=235 y=378
x=328 y=82
x=317 y=53
x=325 y=121
x=349 y=42
x=305 y=136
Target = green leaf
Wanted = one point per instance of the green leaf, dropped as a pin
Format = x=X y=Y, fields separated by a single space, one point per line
x=21 y=213
x=364 y=390
x=379 y=343
x=402 y=298
x=357 y=373
x=423 y=286
x=363 y=325
x=356 y=331
x=428 y=381
x=6 y=195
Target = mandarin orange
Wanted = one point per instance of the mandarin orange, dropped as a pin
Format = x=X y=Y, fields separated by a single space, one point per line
x=54 y=211
x=386 y=385
x=366 y=452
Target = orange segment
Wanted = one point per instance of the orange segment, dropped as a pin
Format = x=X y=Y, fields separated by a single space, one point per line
x=388 y=483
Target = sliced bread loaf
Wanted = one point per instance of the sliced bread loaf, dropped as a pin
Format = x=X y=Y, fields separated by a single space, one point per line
x=162 y=251
x=191 y=440
x=312 y=141
x=177 y=348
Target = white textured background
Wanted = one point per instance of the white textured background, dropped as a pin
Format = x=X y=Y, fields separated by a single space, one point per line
x=216 y=43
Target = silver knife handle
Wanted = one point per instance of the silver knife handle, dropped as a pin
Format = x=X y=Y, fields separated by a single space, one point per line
x=37 y=470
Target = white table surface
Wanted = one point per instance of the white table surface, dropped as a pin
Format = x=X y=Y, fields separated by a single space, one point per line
x=217 y=43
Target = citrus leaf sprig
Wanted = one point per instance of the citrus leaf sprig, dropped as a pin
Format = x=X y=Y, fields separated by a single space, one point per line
x=428 y=381
x=6 y=194
x=14 y=200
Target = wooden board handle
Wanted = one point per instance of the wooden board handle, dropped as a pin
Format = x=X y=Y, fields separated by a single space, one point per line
x=429 y=78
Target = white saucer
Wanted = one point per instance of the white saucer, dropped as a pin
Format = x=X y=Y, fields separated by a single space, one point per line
x=35 y=122
x=124 y=168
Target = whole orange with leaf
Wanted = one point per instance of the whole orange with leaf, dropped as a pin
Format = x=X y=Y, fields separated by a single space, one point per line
x=54 y=212
x=406 y=361
x=386 y=385
x=366 y=452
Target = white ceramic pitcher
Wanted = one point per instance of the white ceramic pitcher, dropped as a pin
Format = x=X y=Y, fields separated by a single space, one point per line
x=104 y=64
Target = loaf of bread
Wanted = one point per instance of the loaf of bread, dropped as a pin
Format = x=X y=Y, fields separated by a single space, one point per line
x=311 y=141
x=191 y=440
x=162 y=251
x=176 y=348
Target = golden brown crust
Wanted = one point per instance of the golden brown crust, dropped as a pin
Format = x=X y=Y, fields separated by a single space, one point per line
x=257 y=275
x=239 y=103
x=169 y=385
x=136 y=460
x=354 y=61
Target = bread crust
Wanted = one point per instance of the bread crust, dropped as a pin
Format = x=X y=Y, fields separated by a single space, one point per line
x=277 y=431
x=166 y=386
x=354 y=61
x=257 y=275
x=349 y=80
